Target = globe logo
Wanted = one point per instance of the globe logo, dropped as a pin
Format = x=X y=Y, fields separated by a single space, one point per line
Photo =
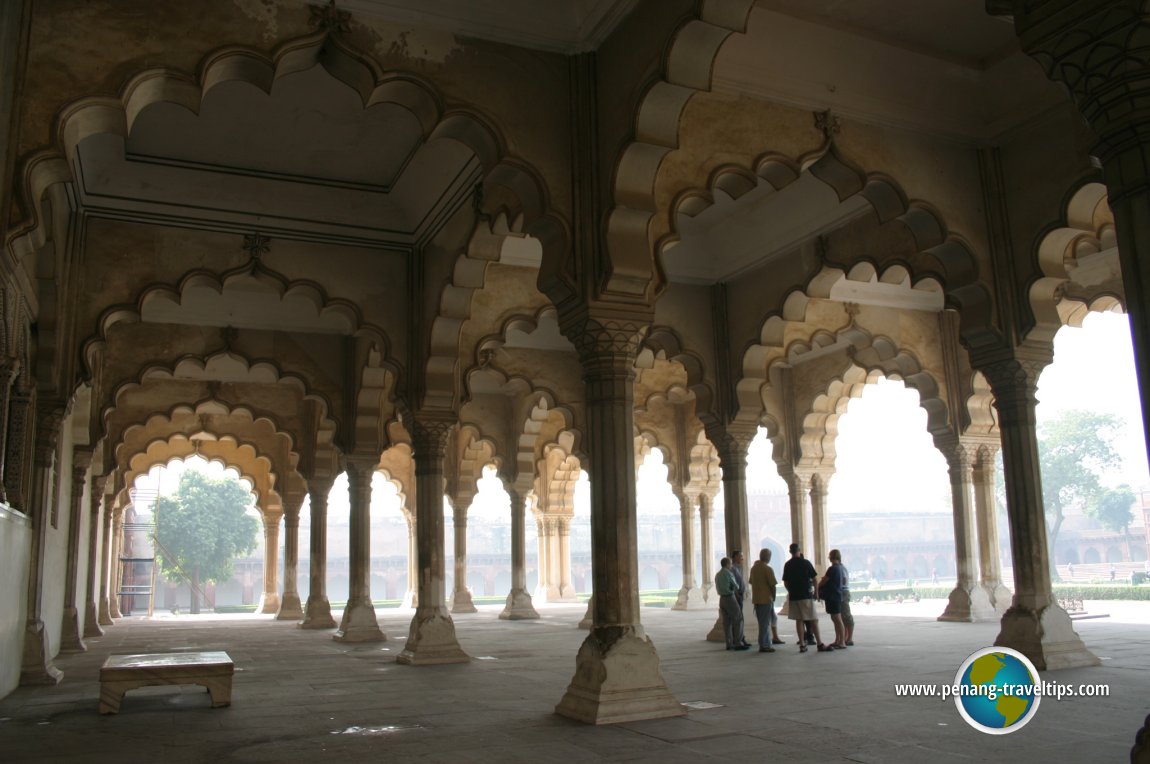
x=997 y=690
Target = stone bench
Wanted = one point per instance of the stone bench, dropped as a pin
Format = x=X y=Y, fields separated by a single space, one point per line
x=121 y=673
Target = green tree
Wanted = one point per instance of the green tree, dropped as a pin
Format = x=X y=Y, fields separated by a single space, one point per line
x=201 y=528
x=1075 y=451
x=1114 y=509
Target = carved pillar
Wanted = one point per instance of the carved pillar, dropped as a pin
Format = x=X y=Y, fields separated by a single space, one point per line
x=968 y=601
x=431 y=638
x=9 y=370
x=798 y=493
x=545 y=588
x=318 y=612
x=290 y=607
x=563 y=542
x=19 y=445
x=732 y=450
x=94 y=590
x=617 y=675
x=461 y=597
x=270 y=599
x=519 y=606
x=1034 y=624
x=37 y=668
x=70 y=639
x=820 y=529
x=117 y=568
x=706 y=509
x=411 y=595
x=690 y=595
x=359 y=622
x=103 y=603
x=986 y=516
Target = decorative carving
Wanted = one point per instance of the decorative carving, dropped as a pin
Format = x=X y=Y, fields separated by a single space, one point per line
x=828 y=124
x=257 y=245
x=16 y=453
x=1014 y=383
x=429 y=436
x=596 y=339
x=329 y=18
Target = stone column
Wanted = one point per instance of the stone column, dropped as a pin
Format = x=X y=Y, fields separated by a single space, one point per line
x=519 y=606
x=563 y=538
x=820 y=529
x=9 y=370
x=70 y=630
x=19 y=446
x=270 y=599
x=318 y=612
x=461 y=597
x=290 y=607
x=37 y=667
x=1034 y=624
x=411 y=595
x=94 y=590
x=986 y=515
x=359 y=622
x=968 y=601
x=798 y=491
x=617 y=676
x=706 y=508
x=545 y=590
x=114 y=582
x=431 y=639
x=103 y=603
x=690 y=595
x=733 y=460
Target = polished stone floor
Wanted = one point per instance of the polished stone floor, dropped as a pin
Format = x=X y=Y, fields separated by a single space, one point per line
x=299 y=696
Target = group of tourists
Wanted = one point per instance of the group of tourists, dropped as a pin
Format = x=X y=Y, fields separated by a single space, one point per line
x=803 y=586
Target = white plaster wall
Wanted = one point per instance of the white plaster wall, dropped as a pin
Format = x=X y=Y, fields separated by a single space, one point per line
x=15 y=547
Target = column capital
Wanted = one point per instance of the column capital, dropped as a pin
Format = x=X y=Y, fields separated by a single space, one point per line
x=50 y=413
x=1014 y=381
x=319 y=486
x=429 y=435
x=81 y=461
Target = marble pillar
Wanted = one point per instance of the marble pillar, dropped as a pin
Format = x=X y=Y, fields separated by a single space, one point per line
x=103 y=603
x=968 y=601
x=71 y=640
x=706 y=510
x=318 y=612
x=1034 y=624
x=563 y=535
x=690 y=594
x=37 y=667
x=733 y=460
x=117 y=568
x=291 y=609
x=93 y=595
x=617 y=676
x=431 y=638
x=820 y=528
x=411 y=594
x=519 y=606
x=986 y=516
x=270 y=598
x=461 y=596
x=359 y=623
x=545 y=588
x=798 y=493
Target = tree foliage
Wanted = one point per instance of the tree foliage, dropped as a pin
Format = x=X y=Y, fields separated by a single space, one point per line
x=1075 y=452
x=1114 y=508
x=202 y=527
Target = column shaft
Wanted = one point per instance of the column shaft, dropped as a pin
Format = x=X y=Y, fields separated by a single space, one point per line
x=519 y=606
x=290 y=608
x=92 y=597
x=708 y=555
x=70 y=630
x=690 y=595
x=104 y=604
x=359 y=622
x=318 y=612
x=461 y=597
x=270 y=599
x=986 y=516
x=117 y=570
x=9 y=369
x=820 y=529
x=968 y=601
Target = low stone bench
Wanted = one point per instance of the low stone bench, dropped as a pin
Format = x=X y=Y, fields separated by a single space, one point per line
x=121 y=673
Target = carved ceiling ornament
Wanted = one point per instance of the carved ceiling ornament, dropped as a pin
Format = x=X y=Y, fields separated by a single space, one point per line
x=328 y=18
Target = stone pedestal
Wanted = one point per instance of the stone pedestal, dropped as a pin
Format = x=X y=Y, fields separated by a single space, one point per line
x=617 y=679
x=431 y=640
x=1046 y=637
x=36 y=667
x=359 y=622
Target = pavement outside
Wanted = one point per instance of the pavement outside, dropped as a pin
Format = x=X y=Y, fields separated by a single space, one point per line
x=300 y=696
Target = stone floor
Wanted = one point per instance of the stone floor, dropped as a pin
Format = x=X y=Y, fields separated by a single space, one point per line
x=298 y=695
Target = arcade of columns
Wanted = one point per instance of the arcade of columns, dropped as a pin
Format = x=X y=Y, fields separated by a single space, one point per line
x=538 y=282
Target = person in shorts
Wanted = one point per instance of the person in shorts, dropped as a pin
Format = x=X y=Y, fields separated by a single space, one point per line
x=831 y=593
x=799 y=579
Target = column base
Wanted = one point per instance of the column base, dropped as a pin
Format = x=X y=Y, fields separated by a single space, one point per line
x=290 y=608
x=37 y=668
x=431 y=640
x=410 y=600
x=519 y=607
x=70 y=641
x=359 y=624
x=105 y=618
x=690 y=598
x=269 y=604
x=969 y=604
x=588 y=617
x=1000 y=597
x=318 y=614
x=617 y=679
x=565 y=594
x=114 y=608
x=750 y=628
x=1046 y=637
x=461 y=602
x=92 y=621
